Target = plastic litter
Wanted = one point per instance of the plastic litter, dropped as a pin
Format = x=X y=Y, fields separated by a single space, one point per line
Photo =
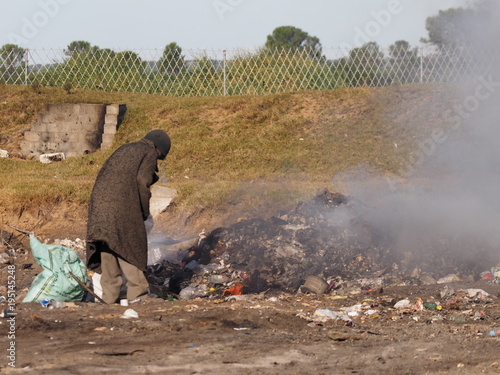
x=493 y=275
x=193 y=292
x=130 y=314
x=432 y=306
x=476 y=293
x=402 y=304
x=448 y=279
x=49 y=158
x=327 y=314
x=218 y=279
x=55 y=282
x=191 y=265
x=234 y=291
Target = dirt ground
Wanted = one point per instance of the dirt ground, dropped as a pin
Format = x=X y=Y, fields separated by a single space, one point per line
x=271 y=333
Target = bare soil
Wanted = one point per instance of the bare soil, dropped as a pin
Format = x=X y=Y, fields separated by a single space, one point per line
x=271 y=333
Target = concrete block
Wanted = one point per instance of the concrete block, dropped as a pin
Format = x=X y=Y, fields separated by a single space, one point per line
x=109 y=129
x=46 y=137
x=106 y=146
x=49 y=147
x=30 y=136
x=75 y=127
x=39 y=127
x=75 y=110
x=73 y=137
x=108 y=138
x=90 y=127
x=25 y=146
x=64 y=127
x=161 y=197
x=61 y=137
x=111 y=119
x=52 y=127
x=113 y=109
x=96 y=110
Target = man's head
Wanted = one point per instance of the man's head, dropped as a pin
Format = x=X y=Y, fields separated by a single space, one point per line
x=161 y=140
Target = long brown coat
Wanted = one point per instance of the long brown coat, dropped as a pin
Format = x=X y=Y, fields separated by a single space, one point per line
x=120 y=203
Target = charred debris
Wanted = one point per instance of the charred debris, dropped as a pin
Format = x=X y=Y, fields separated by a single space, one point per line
x=326 y=236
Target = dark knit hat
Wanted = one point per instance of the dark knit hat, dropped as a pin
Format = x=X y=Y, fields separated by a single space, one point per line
x=161 y=140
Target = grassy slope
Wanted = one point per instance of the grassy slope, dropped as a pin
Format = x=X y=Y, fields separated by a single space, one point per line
x=254 y=152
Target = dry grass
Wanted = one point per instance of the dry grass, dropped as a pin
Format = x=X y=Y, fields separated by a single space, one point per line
x=225 y=147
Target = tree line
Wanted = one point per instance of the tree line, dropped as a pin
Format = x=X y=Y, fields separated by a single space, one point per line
x=289 y=54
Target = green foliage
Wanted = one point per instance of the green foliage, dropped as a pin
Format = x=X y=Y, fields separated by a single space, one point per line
x=257 y=74
x=291 y=61
x=365 y=66
x=404 y=62
x=172 y=61
x=78 y=46
x=293 y=39
x=12 y=63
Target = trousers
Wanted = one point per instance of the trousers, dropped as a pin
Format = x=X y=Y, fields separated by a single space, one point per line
x=112 y=268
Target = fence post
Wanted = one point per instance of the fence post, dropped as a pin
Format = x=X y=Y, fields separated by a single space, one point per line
x=27 y=57
x=421 y=64
x=224 y=71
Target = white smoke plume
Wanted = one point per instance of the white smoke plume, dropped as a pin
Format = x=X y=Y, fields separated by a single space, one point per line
x=450 y=202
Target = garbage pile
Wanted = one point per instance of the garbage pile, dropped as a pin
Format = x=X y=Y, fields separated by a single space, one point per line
x=323 y=237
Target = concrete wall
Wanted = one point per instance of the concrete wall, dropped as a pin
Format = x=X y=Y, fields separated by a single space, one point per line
x=74 y=129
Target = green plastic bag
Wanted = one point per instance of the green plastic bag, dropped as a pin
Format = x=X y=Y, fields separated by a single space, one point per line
x=55 y=282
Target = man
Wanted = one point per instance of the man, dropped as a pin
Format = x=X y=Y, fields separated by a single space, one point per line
x=119 y=205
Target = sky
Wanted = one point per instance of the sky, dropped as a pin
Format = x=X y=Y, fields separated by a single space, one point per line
x=212 y=24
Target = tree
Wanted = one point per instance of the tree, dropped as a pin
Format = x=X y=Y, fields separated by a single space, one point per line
x=172 y=61
x=128 y=59
x=464 y=26
x=11 y=55
x=11 y=58
x=293 y=39
x=78 y=46
x=401 y=50
x=404 y=62
x=365 y=66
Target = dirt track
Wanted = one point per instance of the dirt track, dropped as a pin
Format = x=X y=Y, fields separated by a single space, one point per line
x=270 y=334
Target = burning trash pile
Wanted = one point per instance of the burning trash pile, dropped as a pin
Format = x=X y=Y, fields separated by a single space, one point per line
x=325 y=237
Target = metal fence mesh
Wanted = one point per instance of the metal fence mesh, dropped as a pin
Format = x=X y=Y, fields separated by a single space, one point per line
x=242 y=72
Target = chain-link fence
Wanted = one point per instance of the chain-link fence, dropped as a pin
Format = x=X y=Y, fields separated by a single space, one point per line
x=241 y=72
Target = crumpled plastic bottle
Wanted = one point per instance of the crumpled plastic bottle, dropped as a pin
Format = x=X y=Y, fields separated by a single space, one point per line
x=193 y=292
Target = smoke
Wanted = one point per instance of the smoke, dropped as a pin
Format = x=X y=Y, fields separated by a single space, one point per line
x=449 y=204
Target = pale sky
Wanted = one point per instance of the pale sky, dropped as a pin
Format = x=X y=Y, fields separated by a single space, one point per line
x=212 y=24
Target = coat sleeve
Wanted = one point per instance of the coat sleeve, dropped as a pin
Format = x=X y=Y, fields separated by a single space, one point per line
x=146 y=176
